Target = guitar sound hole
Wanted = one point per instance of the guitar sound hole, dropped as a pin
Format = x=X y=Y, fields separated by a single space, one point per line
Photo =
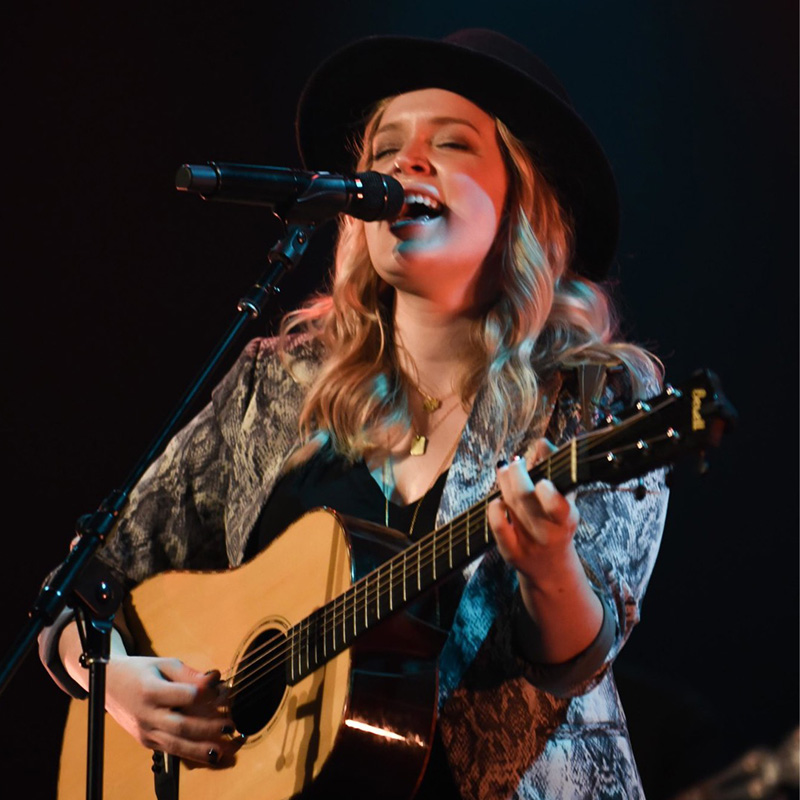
x=260 y=682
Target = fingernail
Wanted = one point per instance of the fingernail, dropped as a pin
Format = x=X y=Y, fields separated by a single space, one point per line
x=218 y=678
x=517 y=457
x=502 y=463
x=227 y=730
x=213 y=756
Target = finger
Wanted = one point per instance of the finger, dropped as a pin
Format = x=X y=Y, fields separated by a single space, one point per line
x=540 y=450
x=513 y=479
x=212 y=752
x=194 y=727
x=173 y=669
x=519 y=495
x=499 y=522
x=505 y=535
x=554 y=505
x=183 y=686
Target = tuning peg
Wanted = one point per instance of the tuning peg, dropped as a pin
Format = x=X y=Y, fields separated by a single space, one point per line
x=673 y=435
x=640 y=492
x=669 y=477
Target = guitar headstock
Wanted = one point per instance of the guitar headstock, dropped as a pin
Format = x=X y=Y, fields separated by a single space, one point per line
x=682 y=420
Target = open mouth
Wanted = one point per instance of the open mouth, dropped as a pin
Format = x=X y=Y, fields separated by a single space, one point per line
x=420 y=208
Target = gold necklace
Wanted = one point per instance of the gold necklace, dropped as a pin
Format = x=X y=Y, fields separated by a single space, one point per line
x=419 y=441
x=387 y=490
x=429 y=402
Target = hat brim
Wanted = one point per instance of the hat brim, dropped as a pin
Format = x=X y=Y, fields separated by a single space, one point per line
x=334 y=103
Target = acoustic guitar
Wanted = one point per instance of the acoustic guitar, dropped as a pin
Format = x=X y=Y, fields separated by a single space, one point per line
x=329 y=675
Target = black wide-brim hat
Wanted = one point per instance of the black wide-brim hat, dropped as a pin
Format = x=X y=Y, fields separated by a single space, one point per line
x=497 y=74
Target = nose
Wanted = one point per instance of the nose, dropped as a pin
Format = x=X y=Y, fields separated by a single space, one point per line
x=411 y=160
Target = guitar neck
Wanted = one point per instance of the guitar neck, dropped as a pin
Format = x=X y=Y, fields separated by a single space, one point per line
x=647 y=435
x=406 y=576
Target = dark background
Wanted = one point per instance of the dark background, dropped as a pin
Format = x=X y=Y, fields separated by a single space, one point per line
x=116 y=287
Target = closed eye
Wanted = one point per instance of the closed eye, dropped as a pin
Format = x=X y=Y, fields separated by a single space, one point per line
x=384 y=153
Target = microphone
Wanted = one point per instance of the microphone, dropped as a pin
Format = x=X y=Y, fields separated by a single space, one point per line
x=295 y=194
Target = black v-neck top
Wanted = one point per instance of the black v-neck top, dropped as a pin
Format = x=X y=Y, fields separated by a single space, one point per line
x=351 y=490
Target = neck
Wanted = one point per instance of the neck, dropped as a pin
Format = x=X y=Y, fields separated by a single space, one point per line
x=432 y=343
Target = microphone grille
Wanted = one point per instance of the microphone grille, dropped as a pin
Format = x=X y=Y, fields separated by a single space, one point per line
x=383 y=197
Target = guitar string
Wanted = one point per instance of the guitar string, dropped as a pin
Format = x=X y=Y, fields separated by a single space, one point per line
x=426 y=546
x=252 y=663
x=267 y=674
x=373 y=592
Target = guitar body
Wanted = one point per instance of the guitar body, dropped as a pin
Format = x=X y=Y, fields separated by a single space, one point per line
x=366 y=713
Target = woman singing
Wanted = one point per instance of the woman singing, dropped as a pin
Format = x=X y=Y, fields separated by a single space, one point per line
x=459 y=344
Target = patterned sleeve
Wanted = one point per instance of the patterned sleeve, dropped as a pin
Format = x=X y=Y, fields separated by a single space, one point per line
x=174 y=516
x=617 y=540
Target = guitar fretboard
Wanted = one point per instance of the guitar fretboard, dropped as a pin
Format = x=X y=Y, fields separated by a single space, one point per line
x=648 y=435
x=404 y=577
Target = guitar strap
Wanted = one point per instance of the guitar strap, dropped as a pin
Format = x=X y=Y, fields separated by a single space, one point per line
x=591 y=384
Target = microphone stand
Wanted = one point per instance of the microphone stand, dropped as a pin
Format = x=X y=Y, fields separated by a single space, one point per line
x=83 y=583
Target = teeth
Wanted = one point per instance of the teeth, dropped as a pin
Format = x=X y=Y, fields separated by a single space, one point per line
x=423 y=200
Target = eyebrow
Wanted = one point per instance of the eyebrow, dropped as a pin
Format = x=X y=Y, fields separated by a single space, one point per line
x=391 y=126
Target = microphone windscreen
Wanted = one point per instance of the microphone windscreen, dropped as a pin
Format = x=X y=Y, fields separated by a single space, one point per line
x=383 y=197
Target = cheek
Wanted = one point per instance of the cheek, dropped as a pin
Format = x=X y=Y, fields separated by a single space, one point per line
x=480 y=205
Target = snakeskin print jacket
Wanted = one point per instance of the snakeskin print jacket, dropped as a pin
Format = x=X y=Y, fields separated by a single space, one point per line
x=511 y=729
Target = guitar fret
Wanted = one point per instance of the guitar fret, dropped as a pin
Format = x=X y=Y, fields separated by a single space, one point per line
x=435 y=537
x=450 y=545
x=344 y=623
x=573 y=460
x=404 y=575
x=391 y=596
x=308 y=645
x=419 y=568
x=300 y=651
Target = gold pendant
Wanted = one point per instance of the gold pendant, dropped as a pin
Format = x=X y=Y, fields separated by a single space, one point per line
x=431 y=404
x=418 y=445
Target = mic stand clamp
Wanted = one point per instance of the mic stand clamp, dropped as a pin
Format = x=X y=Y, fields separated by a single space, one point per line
x=282 y=257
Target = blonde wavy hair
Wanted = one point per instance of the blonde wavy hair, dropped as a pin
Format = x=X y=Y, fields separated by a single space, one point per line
x=541 y=314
